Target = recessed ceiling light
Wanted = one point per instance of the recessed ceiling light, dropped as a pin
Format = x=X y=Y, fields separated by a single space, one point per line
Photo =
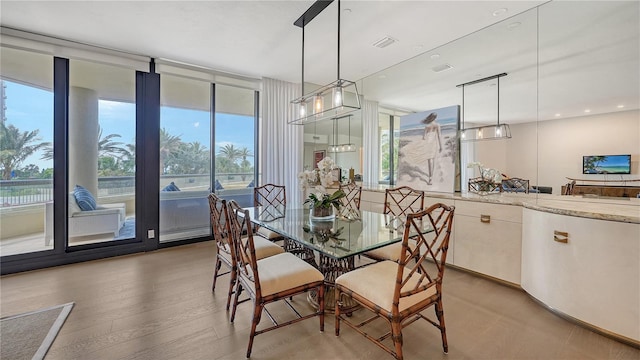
x=417 y=47
x=620 y=106
x=587 y=110
x=435 y=56
x=382 y=76
x=384 y=42
x=441 y=68
x=500 y=12
x=513 y=25
x=558 y=114
x=346 y=11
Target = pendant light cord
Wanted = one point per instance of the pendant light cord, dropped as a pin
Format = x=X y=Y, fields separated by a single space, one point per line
x=338 y=40
x=462 y=107
x=498 y=116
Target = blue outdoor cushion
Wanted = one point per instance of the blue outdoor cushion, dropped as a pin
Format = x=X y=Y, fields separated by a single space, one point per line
x=171 y=187
x=84 y=198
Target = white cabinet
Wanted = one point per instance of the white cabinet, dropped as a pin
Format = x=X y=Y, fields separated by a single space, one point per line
x=594 y=276
x=488 y=239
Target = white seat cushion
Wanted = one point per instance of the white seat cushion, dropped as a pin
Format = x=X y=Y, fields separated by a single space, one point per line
x=262 y=231
x=284 y=271
x=377 y=282
x=265 y=248
x=389 y=252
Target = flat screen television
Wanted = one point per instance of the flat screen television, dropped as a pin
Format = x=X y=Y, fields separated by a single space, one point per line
x=606 y=164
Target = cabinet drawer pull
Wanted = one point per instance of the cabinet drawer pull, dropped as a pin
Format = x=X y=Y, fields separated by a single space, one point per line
x=485 y=219
x=560 y=236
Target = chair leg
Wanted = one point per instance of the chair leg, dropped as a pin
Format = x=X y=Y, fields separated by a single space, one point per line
x=232 y=283
x=321 y=289
x=215 y=273
x=396 y=335
x=443 y=331
x=337 y=310
x=235 y=301
x=257 y=313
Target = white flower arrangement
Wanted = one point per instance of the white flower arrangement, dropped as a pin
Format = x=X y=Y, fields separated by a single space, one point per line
x=319 y=178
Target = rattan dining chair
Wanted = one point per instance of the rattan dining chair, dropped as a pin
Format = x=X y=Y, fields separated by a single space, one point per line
x=225 y=253
x=351 y=201
x=270 y=279
x=270 y=195
x=398 y=203
x=399 y=292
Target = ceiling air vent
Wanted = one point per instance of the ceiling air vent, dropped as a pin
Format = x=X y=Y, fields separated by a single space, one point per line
x=441 y=68
x=384 y=42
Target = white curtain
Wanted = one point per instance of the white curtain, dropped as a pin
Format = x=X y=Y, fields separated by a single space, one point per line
x=370 y=142
x=467 y=155
x=281 y=144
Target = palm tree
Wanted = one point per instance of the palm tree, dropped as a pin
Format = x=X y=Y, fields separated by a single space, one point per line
x=16 y=146
x=168 y=144
x=107 y=147
x=244 y=153
x=245 y=165
x=230 y=152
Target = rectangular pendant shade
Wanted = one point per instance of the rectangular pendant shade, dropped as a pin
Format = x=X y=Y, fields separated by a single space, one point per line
x=342 y=148
x=487 y=132
x=328 y=102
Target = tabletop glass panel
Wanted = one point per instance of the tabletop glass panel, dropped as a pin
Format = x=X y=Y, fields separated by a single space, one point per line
x=337 y=238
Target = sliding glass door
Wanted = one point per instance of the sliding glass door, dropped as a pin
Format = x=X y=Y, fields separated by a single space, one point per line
x=102 y=144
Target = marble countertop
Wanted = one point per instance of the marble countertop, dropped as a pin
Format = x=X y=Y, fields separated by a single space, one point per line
x=604 y=208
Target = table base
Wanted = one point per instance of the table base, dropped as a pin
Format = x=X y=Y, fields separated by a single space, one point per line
x=331 y=269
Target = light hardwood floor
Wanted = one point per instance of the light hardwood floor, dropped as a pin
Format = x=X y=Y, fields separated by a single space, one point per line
x=159 y=305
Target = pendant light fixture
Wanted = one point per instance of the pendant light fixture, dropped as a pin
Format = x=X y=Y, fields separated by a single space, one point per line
x=330 y=101
x=485 y=132
x=336 y=147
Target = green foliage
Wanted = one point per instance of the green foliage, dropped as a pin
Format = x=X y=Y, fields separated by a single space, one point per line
x=118 y=159
x=46 y=173
x=592 y=162
x=385 y=163
x=15 y=147
x=326 y=200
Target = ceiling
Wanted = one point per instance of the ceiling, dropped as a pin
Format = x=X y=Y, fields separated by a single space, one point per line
x=258 y=38
x=563 y=58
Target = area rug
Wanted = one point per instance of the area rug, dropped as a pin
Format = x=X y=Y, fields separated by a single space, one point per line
x=29 y=335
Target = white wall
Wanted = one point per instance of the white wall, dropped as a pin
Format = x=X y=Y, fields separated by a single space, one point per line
x=547 y=152
x=562 y=143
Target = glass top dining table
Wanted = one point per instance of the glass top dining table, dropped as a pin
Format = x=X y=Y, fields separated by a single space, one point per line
x=338 y=238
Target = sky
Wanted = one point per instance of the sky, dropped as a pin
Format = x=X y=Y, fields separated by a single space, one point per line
x=30 y=108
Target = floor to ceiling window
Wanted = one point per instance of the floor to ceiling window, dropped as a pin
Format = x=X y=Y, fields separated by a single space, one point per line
x=102 y=144
x=136 y=152
x=26 y=152
x=185 y=158
x=389 y=140
x=235 y=129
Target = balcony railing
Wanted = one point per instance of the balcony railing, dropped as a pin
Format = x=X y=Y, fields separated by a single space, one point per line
x=35 y=191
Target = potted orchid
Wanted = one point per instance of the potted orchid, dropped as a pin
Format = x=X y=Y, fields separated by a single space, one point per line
x=317 y=181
